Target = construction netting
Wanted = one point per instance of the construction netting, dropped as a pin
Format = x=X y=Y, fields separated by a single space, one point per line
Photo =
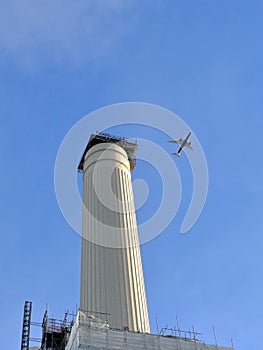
x=91 y=333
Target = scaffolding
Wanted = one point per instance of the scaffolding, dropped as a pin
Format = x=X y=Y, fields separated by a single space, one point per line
x=90 y=332
x=26 y=325
x=55 y=333
x=87 y=331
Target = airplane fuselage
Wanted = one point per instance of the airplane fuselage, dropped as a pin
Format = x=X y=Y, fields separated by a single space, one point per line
x=186 y=139
x=182 y=144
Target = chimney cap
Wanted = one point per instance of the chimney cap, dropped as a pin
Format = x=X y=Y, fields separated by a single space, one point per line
x=130 y=146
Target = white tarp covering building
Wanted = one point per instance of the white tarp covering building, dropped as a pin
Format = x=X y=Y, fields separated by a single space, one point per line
x=93 y=334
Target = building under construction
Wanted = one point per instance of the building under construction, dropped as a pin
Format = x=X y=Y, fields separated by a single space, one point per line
x=113 y=311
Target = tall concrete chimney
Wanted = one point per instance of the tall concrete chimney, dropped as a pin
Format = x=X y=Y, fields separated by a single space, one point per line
x=112 y=282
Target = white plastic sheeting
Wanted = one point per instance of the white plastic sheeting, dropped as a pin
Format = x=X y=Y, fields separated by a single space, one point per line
x=93 y=334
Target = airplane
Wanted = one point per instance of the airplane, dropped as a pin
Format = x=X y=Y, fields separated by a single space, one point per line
x=183 y=143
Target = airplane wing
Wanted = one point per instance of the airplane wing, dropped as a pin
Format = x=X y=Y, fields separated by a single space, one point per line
x=188 y=144
x=179 y=142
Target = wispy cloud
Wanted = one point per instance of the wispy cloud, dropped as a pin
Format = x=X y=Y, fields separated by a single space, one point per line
x=62 y=31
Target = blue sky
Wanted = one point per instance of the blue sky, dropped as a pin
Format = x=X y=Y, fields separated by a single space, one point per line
x=61 y=60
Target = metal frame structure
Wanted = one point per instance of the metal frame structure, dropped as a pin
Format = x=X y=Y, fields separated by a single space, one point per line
x=26 y=325
x=55 y=333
